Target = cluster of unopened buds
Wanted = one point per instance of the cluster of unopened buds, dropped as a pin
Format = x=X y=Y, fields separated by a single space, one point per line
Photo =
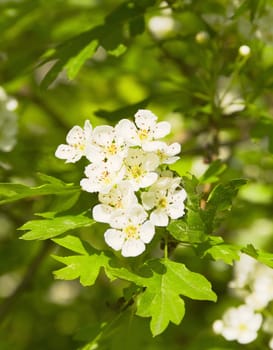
x=128 y=170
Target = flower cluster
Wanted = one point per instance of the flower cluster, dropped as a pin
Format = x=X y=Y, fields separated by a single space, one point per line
x=253 y=283
x=128 y=170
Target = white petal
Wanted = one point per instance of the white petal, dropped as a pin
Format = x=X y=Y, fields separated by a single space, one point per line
x=114 y=238
x=69 y=153
x=103 y=135
x=161 y=129
x=153 y=146
x=176 y=211
x=159 y=218
x=179 y=196
x=247 y=337
x=148 y=179
x=137 y=214
x=75 y=136
x=119 y=219
x=102 y=213
x=150 y=162
x=126 y=130
x=148 y=200
x=145 y=119
x=87 y=129
x=174 y=149
x=171 y=160
x=94 y=153
x=147 y=231
x=132 y=247
x=89 y=186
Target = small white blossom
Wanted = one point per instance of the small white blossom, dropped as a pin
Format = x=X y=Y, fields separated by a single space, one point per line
x=161 y=26
x=101 y=178
x=131 y=232
x=140 y=168
x=145 y=129
x=165 y=201
x=167 y=154
x=76 y=139
x=240 y=324
x=118 y=200
x=106 y=146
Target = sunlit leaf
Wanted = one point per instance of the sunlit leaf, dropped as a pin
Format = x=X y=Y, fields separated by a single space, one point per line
x=49 y=228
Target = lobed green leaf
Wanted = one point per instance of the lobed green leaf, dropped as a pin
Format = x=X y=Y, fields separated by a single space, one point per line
x=52 y=227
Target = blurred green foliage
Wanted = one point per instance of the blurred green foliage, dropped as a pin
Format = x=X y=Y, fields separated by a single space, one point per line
x=65 y=61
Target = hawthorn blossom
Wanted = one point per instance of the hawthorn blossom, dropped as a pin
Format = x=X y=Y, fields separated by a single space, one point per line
x=130 y=232
x=140 y=168
x=167 y=154
x=77 y=140
x=101 y=177
x=165 y=201
x=118 y=200
x=125 y=167
x=145 y=129
x=106 y=146
x=241 y=324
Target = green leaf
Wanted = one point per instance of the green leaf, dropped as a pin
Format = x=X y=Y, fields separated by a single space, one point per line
x=164 y=281
x=10 y=192
x=73 y=53
x=161 y=300
x=49 y=228
x=190 y=228
x=261 y=256
x=137 y=26
x=118 y=51
x=84 y=267
x=212 y=173
x=220 y=202
x=219 y=250
x=73 y=243
x=75 y=63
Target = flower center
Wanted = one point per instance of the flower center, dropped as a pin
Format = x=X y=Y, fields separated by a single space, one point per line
x=131 y=231
x=105 y=177
x=162 y=203
x=136 y=171
x=143 y=134
x=112 y=149
x=79 y=146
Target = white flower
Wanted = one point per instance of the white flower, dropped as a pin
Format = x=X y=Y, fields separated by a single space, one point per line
x=106 y=146
x=166 y=153
x=140 y=168
x=120 y=198
x=77 y=140
x=146 y=129
x=239 y=324
x=164 y=200
x=101 y=177
x=161 y=26
x=130 y=232
x=262 y=289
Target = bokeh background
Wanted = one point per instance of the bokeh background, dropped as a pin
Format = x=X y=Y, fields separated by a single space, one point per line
x=204 y=66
